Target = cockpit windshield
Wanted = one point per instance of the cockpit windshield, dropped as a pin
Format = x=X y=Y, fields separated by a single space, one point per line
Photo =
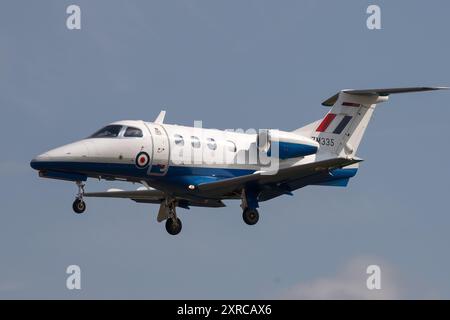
x=111 y=131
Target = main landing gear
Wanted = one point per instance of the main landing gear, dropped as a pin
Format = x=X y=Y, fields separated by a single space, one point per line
x=168 y=212
x=79 y=206
x=173 y=226
x=250 y=216
x=249 y=204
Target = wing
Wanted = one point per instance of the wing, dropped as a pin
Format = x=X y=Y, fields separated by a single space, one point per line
x=270 y=186
x=153 y=196
x=282 y=182
x=148 y=194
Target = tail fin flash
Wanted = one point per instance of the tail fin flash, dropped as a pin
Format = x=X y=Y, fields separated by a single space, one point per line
x=342 y=129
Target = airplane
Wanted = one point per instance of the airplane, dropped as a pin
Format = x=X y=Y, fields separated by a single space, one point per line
x=180 y=166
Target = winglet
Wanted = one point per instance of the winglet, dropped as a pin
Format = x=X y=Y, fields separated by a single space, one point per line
x=160 y=118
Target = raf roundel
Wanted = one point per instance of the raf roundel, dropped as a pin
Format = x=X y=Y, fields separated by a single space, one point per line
x=142 y=159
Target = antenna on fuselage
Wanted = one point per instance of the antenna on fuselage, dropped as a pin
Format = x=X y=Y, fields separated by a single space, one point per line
x=160 y=118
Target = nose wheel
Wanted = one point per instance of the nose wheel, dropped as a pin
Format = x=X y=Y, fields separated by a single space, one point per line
x=79 y=206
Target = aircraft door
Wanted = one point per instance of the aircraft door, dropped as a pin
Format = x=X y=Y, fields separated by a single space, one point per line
x=161 y=150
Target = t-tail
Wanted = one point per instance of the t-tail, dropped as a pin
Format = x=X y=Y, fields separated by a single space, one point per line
x=341 y=130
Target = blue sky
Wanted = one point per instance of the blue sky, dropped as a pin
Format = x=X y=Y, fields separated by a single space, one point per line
x=231 y=64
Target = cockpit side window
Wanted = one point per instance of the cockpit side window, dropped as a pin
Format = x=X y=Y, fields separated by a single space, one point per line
x=111 y=131
x=133 y=132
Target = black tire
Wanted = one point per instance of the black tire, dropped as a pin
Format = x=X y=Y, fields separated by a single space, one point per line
x=79 y=206
x=251 y=216
x=173 y=227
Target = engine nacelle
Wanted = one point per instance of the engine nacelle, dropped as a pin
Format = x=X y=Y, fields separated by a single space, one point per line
x=289 y=145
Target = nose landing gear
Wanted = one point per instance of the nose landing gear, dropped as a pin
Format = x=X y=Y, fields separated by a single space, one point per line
x=79 y=206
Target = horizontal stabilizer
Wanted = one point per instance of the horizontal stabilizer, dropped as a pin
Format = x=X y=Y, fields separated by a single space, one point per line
x=379 y=92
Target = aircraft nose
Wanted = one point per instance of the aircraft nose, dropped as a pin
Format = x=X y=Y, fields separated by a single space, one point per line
x=53 y=159
x=36 y=163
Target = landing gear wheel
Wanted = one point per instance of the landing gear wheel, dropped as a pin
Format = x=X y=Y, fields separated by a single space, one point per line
x=79 y=206
x=173 y=226
x=251 y=216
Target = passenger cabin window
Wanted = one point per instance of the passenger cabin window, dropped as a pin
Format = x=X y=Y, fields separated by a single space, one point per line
x=211 y=144
x=195 y=142
x=133 y=133
x=179 y=141
x=111 y=131
x=231 y=146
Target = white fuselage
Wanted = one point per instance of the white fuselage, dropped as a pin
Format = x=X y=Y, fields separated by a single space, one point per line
x=168 y=156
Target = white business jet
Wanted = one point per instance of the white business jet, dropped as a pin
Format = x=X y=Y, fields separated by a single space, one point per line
x=181 y=166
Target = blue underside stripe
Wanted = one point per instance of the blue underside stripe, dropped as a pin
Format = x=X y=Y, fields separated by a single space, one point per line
x=176 y=174
x=131 y=170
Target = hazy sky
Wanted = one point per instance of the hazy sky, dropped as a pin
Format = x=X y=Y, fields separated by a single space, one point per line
x=232 y=64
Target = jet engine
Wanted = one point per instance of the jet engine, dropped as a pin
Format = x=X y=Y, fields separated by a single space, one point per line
x=285 y=145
